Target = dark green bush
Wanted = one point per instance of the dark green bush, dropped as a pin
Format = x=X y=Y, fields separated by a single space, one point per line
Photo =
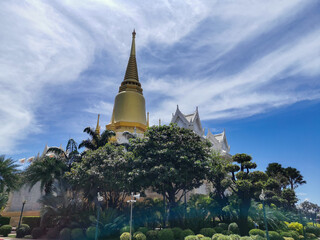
x=294 y=234
x=126 y=229
x=224 y=226
x=144 y=230
x=258 y=232
x=77 y=234
x=165 y=234
x=234 y=237
x=91 y=232
x=65 y=234
x=191 y=237
x=314 y=230
x=208 y=232
x=37 y=232
x=226 y=232
x=4 y=220
x=275 y=236
x=152 y=235
x=125 y=236
x=233 y=227
x=176 y=232
x=216 y=236
x=218 y=229
x=286 y=234
x=52 y=233
x=311 y=236
x=186 y=233
x=32 y=221
x=140 y=236
x=5 y=230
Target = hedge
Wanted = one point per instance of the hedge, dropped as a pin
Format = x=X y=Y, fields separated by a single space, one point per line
x=4 y=220
x=32 y=221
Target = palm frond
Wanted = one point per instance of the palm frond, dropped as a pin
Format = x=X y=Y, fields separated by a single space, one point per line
x=87 y=144
x=92 y=133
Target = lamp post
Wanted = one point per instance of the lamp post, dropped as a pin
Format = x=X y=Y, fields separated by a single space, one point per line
x=23 y=203
x=263 y=198
x=131 y=201
x=299 y=207
x=99 y=199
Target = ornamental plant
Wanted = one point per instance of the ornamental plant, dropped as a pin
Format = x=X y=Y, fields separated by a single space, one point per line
x=191 y=237
x=65 y=234
x=125 y=236
x=5 y=230
x=140 y=236
x=91 y=232
x=259 y=232
x=233 y=227
x=152 y=235
x=165 y=234
x=186 y=233
x=208 y=232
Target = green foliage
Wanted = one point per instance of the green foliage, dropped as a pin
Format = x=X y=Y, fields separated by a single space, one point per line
x=9 y=175
x=96 y=140
x=52 y=233
x=191 y=237
x=125 y=236
x=223 y=237
x=77 y=234
x=294 y=234
x=200 y=236
x=224 y=226
x=296 y=227
x=275 y=236
x=5 y=230
x=135 y=233
x=233 y=227
x=22 y=231
x=245 y=238
x=65 y=234
x=259 y=232
x=206 y=238
x=144 y=230
x=153 y=235
x=4 y=220
x=288 y=238
x=314 y=230
x=140 y=236
x=91 y=232
x=36 y=232
x=186 y=233
x=32 y=221
x=226 y=232
x=218 y=229
x=257 y=237
x=234 y=237
x=311 y=236
x=165 y=234
x=208 y=232
x=126 y=229
x=176 y=232
x=216 y=236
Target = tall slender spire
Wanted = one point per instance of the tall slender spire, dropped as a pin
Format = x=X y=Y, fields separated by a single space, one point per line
x=98 y=126
x=132 y=69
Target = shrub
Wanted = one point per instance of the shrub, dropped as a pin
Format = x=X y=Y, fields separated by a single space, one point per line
x=288 y=238
x=144 y=230
x=226 y=232
x=311 y=236
x=5 y=230
x=191 y=237
x=37 y=232
x=234 y=237
x=152 y=235
x=176 y=232
x=216 y=236
x=77 y=234
x=186 y=233
x=125 y=236
x=223 y=237
x=245 y=238
x=140 y=236
x=257 y=237
x=22 y=231
x=301 y=237
x=224 y=226
x=218 y=229
x=259 y=232
x=91 y=232
x=314 y=230
x=4 y=220
x=274 y=236
x=52 y=233
x=65 y=234
x=126 y=229
x=199 y=236
x=208 y=232
x=294 y=235
x=165 y=234
x=134 y=234
x=233 y=227
x=206 y=238
x=32 y=221
x=296 y=227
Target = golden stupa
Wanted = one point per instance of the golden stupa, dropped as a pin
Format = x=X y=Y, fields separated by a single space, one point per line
x=129 y=109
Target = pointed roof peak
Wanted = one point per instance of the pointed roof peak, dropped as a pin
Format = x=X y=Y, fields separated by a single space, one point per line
x=132 y=69
x=98 y=126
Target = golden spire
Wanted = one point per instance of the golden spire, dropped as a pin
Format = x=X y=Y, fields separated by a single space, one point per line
x=98 y=126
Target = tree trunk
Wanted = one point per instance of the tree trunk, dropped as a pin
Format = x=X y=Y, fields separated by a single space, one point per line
x=243 y=218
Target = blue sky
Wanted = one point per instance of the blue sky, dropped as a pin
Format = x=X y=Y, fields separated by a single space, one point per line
x=252 y=67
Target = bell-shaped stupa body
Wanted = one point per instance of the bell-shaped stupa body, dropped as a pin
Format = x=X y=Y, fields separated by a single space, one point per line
x=129 y=110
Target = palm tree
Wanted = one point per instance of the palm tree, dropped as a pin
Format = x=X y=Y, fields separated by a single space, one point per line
x=9 y=174
x=294 y=177
x=71 y=153
x=96 y=140
x=45 y=170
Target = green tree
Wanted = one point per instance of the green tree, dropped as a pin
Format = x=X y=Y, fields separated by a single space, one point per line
x=170 y=160
x=96 y=140
x=294 y=177
x=9 y=174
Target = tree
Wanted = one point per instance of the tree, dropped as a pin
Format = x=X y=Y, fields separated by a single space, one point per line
x=9 y=174
x=45 y=170
x=294 y=177
x=96 y=140
x=171 y=160
x=102 y=171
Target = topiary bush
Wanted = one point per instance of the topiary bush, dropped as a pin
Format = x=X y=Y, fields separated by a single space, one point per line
x=52 y=233
x=200 y=236
x=296 y=227
x=223 y=237
x=224 y=226
x=218 y=229
x=4 y=220
x=294 y=234
x=65 y=234
x=125 y=236
x=140 y=236
x=144 y=230
x=301 y=237
x=186 y=233
x=176 y=232
x=32 y=221
x=234 y=237
x=286 y=234
x=208 y=232
x=311 y=236
x=5 y=230
x=314 y=230
x=234 y=228
x=226 y=232
x=216 y=236
x=77 y=234
x=37 y=232
x=258 y=232
x=191 y=237
x=126 y=229
x=22 y=231
x=152 y=235
x=91 y=232
x=275 y=236
x=165 y=234
x=206 y=238
x=245 y=238
x=257 y=237
x=134 y=234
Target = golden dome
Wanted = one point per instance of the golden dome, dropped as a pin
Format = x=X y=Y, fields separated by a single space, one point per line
x=129 y=110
